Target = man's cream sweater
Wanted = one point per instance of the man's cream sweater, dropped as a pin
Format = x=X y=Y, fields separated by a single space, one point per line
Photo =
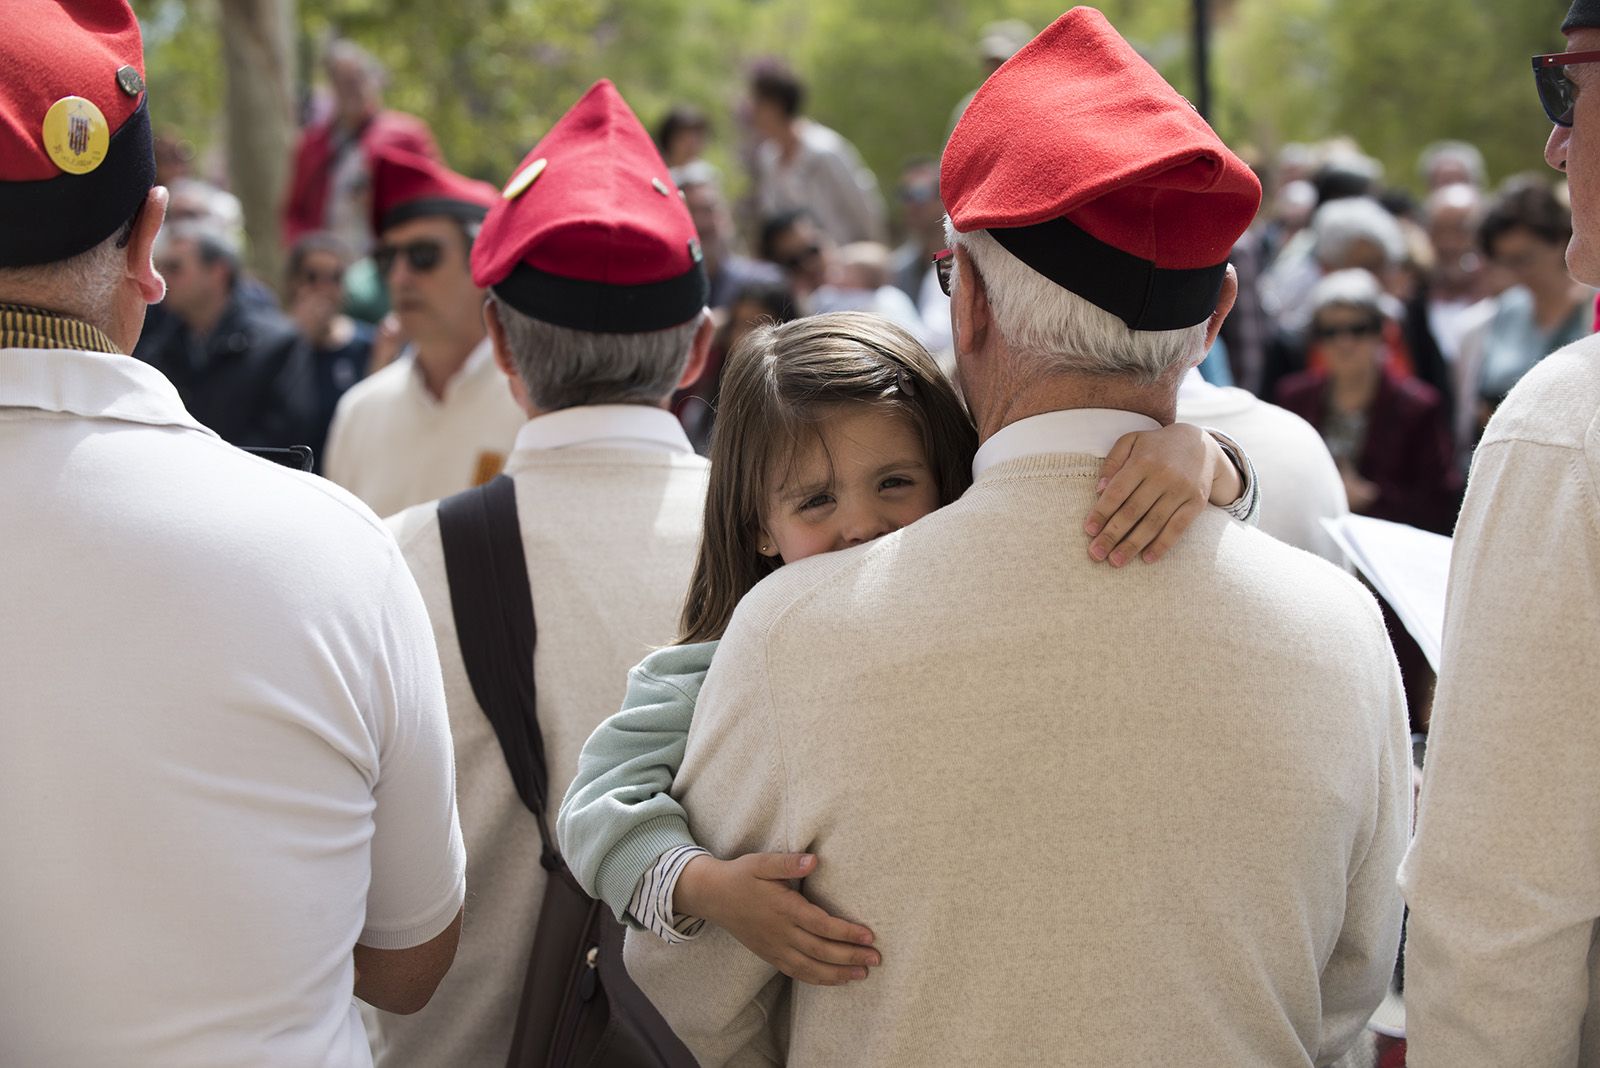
x=610 y=536
x=1504 y=877
x=1094 y=817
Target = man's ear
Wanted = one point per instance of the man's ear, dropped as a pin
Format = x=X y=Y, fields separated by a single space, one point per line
x=970 y=315
x=699 y=351
x=1230 y=293
x=503 y=359
x=140 y=265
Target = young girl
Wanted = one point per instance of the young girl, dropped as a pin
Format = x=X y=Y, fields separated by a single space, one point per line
x=832 y=431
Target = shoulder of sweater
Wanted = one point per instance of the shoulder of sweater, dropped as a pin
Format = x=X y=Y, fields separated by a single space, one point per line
x=1557 y=403
x=682 y=667
x=414 y=526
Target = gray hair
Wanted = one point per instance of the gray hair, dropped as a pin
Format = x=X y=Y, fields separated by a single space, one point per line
x=1339 y=224
x=214 y=243
x=342 y=48
x=1462 y=152
x=565 y=368
x=1060 y=332
x=1457 y=196
x=81 y=285
x=1353 y=288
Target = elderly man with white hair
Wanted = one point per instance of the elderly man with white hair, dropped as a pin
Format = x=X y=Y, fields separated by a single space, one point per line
x=1072 y=842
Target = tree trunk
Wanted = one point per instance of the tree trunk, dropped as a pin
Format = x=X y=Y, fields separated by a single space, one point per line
x=258 y=56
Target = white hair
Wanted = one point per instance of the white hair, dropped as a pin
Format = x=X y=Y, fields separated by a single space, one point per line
x=1461 y=152
x=565 y=368
x=1350 y=288
x=1339 y=224
x=81 y=286
x=1061 y=332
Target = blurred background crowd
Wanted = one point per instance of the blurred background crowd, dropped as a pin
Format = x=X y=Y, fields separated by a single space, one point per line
x=1404 y=272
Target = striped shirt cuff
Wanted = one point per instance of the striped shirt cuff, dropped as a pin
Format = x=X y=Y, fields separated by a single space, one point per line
x=1247 y=509
x=651 y=906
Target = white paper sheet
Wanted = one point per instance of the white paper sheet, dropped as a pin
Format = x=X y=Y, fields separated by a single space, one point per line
x=1409 y=568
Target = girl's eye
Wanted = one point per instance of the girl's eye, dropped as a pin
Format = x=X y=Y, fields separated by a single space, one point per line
x=814 y=502
x=895 y=482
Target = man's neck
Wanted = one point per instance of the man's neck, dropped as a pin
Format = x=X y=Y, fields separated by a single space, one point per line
x=440 y=361
x=1059 y=393
x=789 y=137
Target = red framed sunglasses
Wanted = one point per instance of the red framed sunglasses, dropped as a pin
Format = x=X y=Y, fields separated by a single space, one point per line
x=1557 y=92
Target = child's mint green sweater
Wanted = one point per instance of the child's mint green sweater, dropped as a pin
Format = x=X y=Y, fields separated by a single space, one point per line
x=619 y=816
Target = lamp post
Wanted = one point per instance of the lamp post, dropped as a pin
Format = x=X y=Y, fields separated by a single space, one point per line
x=1202 y=57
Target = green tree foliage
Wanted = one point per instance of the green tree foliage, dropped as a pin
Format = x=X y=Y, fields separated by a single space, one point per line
x=492 y=75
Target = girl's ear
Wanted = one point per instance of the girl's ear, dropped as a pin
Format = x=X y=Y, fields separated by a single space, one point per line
x=766 y=544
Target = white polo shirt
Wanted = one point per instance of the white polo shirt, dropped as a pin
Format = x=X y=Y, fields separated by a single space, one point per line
x=1300 y=484
x=394 y=444
x=224 y=752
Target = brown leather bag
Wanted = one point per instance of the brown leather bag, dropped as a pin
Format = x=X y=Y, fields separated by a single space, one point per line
x=579 y=1007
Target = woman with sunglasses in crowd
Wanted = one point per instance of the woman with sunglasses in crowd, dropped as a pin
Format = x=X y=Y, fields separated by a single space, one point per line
x=1387 y=434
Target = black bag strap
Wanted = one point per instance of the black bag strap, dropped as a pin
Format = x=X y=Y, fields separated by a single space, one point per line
x=493 y=609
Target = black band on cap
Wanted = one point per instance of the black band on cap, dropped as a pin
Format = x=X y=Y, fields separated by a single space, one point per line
x=1142 y=295
x=604 y=309
x=54 y=219
x=1585 y=15
x=435 y=206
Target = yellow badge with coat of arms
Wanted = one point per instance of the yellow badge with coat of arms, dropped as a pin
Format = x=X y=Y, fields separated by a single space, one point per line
x=76 y=135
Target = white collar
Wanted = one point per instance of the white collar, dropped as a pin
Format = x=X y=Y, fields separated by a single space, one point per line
x=605 y=426
x=94 y=385
x=1072 y=430
x=482 y=355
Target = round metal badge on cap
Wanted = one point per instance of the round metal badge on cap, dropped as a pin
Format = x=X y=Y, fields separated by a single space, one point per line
x=129 y=82
x=76 y=134
x=523 y=179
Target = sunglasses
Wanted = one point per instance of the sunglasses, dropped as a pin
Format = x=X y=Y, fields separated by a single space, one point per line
x=1557 y=92
x=1352 y=330
x=323 y=278
x=799 y=259
x=944 y=264
x=421 y=255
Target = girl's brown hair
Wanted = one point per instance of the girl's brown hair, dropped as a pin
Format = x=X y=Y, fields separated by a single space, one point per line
x=779 y=383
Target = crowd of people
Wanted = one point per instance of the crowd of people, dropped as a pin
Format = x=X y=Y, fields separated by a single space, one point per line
x=1393 y=324
x=898 y=776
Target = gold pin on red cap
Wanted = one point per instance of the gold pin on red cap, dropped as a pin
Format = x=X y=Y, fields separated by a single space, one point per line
x=76 y=135
x=524 y=178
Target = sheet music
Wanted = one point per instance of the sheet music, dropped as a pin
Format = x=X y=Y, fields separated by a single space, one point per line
x=1409 y=568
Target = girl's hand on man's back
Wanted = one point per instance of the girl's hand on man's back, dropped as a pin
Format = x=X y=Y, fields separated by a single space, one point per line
x=751 y=898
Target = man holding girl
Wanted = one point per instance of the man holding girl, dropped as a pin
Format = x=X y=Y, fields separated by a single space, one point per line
x=1118 y=818
x=596 y=314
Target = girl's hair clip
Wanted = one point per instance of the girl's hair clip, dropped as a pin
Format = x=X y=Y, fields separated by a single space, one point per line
x=904 y=382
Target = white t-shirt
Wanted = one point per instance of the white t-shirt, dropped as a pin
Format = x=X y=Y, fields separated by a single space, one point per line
x=394 y=444
x=1300 y=484
x=224 y=752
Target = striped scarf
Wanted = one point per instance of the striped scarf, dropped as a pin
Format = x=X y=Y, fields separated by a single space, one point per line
x=22 y=327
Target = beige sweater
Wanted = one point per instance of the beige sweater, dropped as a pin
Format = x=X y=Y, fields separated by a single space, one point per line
x=1095 y=817
x=1504 y=876
x=610 y=537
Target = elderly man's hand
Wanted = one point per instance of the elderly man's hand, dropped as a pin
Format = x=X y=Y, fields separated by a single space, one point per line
x=1152 y=487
